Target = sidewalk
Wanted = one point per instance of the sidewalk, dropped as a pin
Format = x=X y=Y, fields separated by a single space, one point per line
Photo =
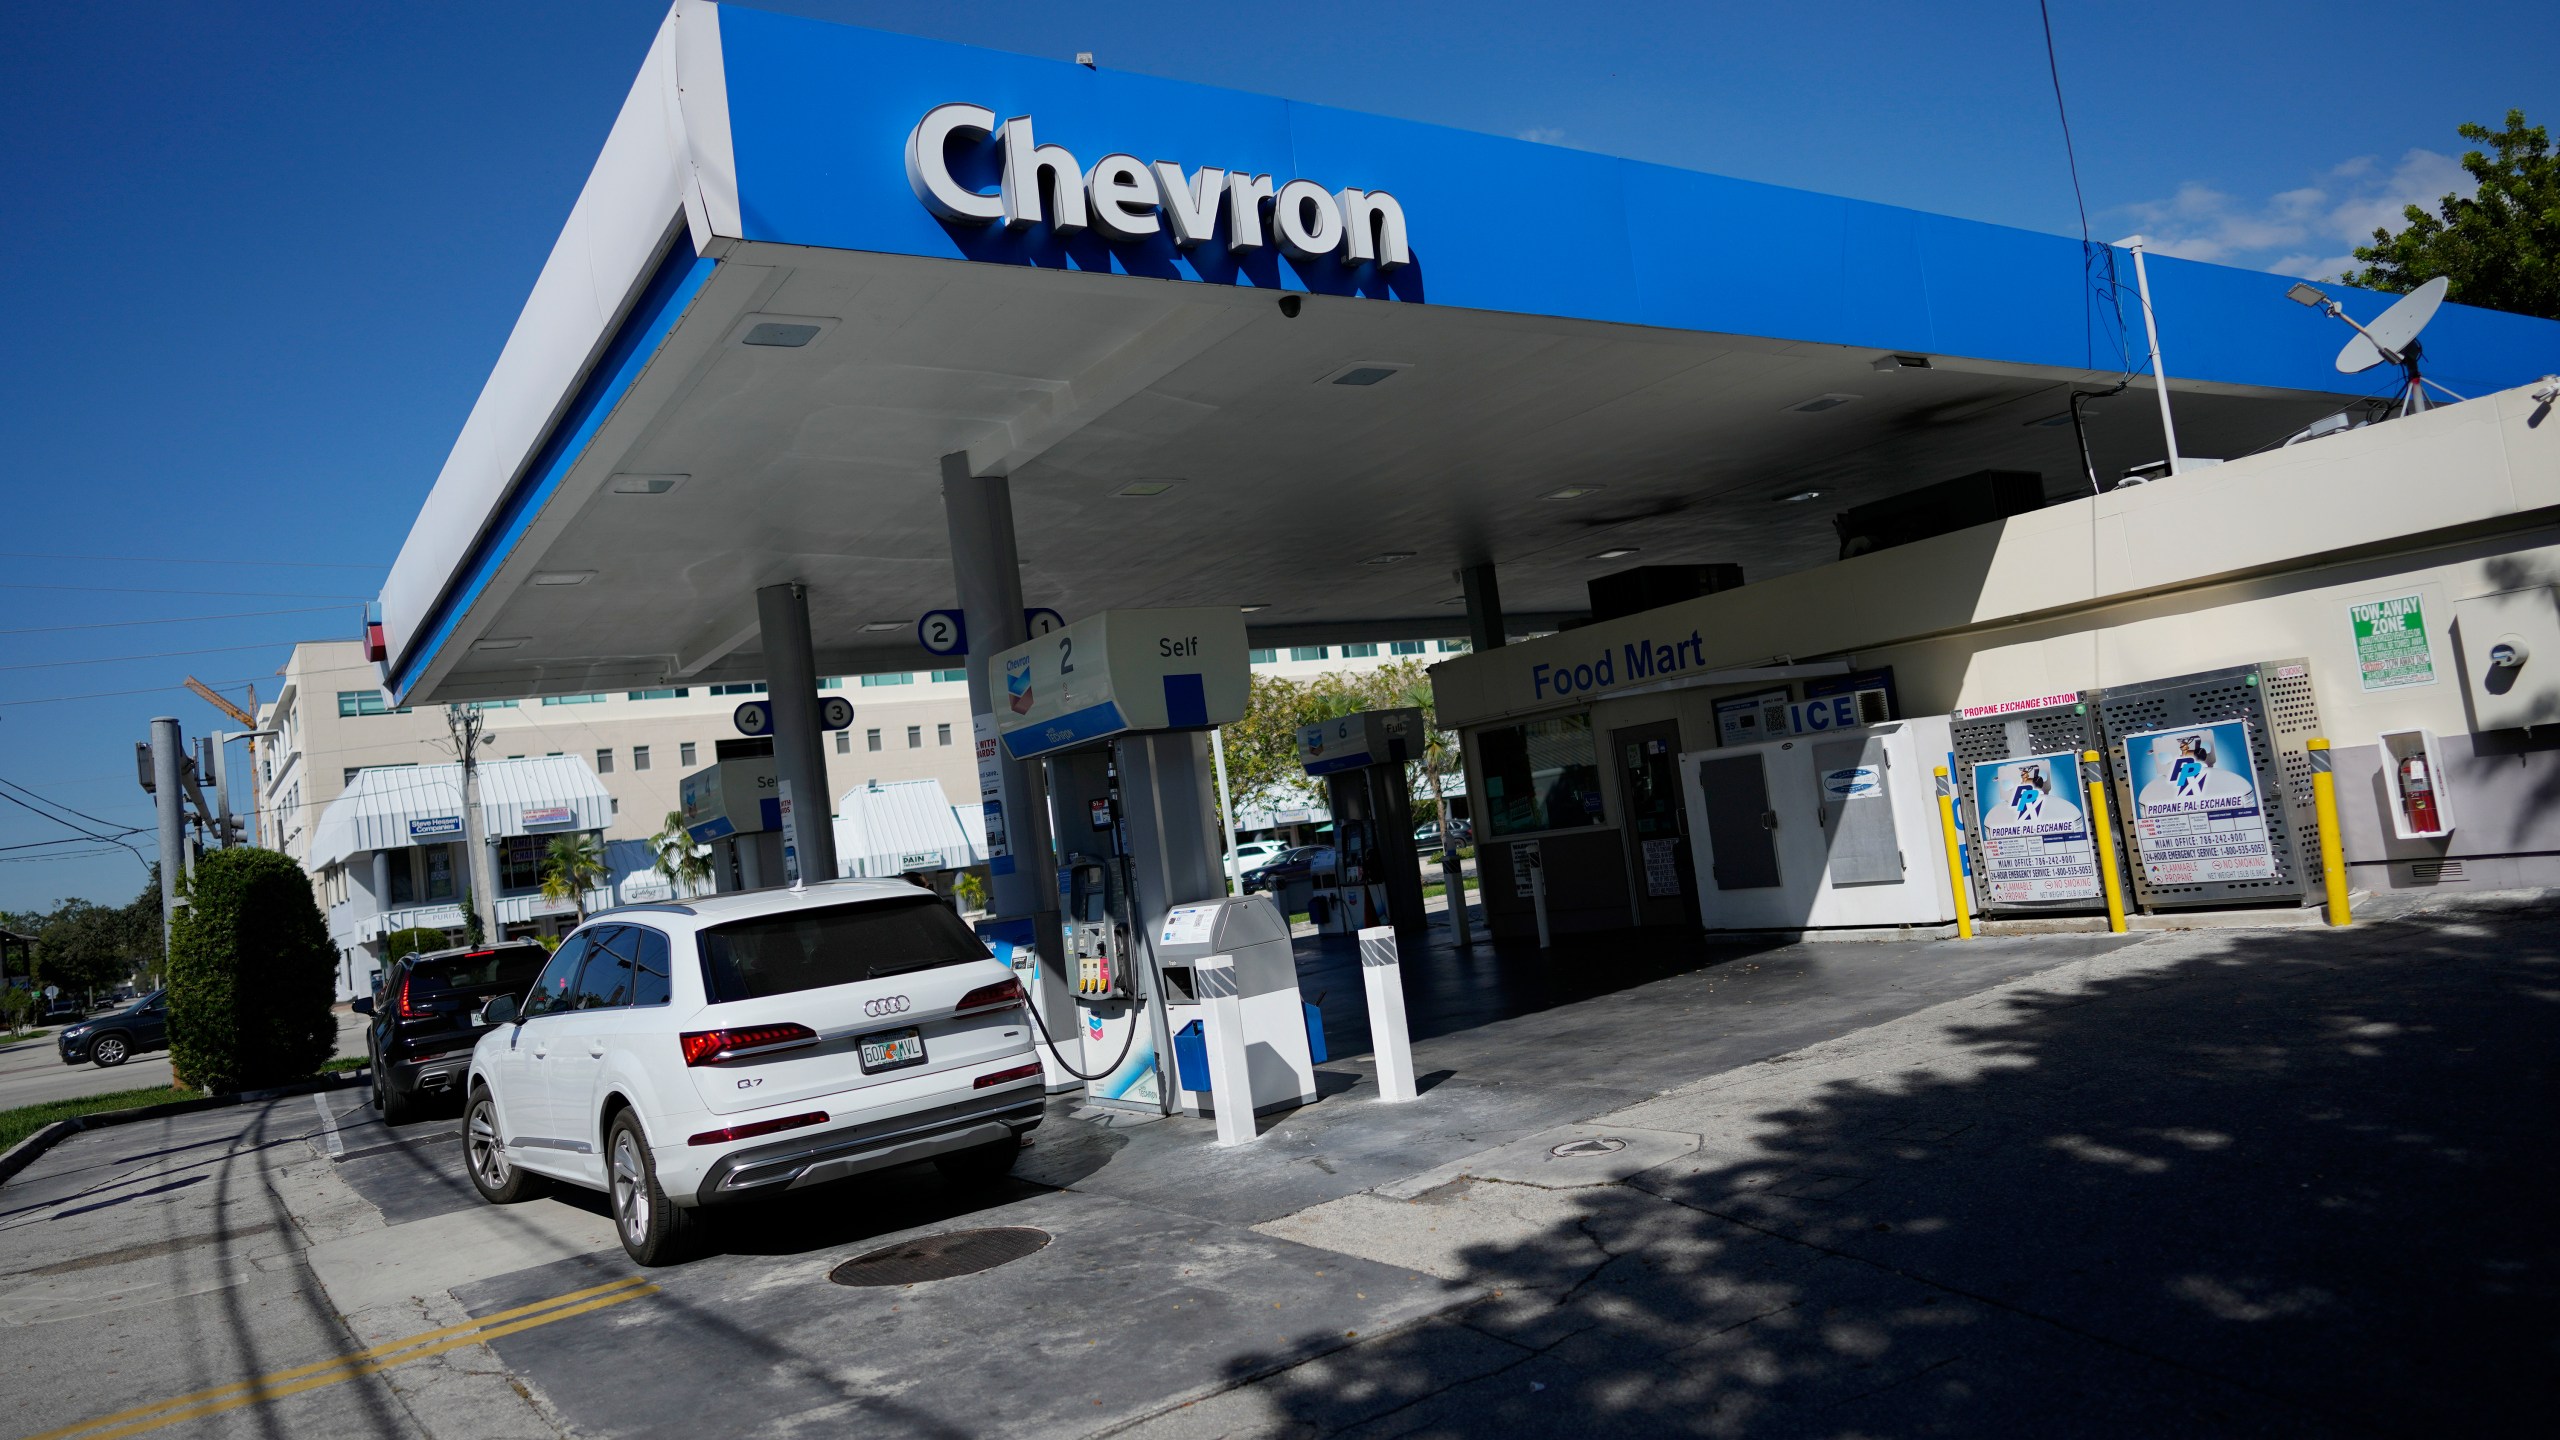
x=2283 y=1182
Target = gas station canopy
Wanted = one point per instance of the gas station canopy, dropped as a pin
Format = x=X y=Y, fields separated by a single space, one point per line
x=781 y=301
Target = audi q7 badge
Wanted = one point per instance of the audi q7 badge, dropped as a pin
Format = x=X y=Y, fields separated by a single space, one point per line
x=889 y=1005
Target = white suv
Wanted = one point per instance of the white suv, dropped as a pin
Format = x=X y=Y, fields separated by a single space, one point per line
x=736 y=1046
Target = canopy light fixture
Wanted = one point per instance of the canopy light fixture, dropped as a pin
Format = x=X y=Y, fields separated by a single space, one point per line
x=1365 y=372
x=1570 y=492
x=1250 y=609
x=1390 y=557
x=1141 y=489
x=1618 y=552
x=779 y=336
x=2306 y=293
x=882 y=627
x=509 y=642
x=1818 y=404
x=1891 y=363
x=563 y=577
x=646 y=484
x=1797 y=498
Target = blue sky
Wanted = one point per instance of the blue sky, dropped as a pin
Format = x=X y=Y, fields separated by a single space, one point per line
x=264 y=255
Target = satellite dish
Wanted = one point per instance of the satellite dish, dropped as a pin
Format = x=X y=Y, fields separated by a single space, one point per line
x=2391 y=334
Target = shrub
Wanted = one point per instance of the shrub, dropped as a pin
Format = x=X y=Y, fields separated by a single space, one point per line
x=251 y=975
x=400 y=944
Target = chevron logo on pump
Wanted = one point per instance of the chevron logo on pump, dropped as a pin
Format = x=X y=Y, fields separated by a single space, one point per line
x=1017 y=683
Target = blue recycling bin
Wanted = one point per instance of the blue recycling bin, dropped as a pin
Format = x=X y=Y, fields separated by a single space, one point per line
x=1191 y=1050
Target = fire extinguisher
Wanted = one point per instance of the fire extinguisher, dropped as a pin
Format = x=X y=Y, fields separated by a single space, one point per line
x=2418 y=795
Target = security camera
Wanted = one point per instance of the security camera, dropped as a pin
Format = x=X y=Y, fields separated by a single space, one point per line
x=1291 y=304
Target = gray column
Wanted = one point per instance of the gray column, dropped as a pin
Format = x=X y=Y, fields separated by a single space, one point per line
x=165 y=759
x=1484 y=606
x=381 y=881
x=986 y=571
x=791 y=684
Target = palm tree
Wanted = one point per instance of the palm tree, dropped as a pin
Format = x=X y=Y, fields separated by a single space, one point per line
x=686 y=865
x=572 y=866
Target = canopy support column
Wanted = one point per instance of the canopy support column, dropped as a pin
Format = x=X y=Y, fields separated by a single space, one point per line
x=799 y=761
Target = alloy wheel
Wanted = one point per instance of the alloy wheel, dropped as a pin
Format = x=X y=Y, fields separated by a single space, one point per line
x=630 y=1188
x=488 y=1157
x=110 y=1051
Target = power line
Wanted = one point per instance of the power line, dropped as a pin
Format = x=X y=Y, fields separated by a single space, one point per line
x=154 y=655
x=189 y=560
x=172 y=620
x=56 y=804
x=2090 y=252
x=147 y=590
x=115 y=694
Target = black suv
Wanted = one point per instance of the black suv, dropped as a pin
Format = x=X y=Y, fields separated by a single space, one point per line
x=118 y=1036
x=423 y=1019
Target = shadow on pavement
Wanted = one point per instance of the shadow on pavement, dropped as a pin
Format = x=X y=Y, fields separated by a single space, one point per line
x=2302 y=1182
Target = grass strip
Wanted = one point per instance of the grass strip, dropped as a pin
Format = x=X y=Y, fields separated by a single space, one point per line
x=18 y=1124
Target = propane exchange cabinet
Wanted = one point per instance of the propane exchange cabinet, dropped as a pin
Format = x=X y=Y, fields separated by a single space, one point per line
x=1118 y=707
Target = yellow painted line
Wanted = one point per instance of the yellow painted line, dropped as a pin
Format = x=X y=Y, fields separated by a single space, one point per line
x=347 y=1367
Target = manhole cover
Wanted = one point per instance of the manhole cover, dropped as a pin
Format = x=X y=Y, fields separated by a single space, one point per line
x=1577 y=1149
x=940 y=1257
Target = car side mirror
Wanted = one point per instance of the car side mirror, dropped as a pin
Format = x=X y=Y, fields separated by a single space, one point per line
x=362 y=1005
x=500 y=1010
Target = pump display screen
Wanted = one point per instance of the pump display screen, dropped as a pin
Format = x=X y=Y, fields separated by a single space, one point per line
x=781 y=954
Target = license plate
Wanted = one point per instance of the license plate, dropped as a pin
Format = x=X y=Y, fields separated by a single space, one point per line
x=892 y=1050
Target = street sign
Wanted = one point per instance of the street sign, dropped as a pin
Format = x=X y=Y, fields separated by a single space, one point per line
x=754 y=718
x=53 y=992
x=1041 y=620
x=835 y=713
x=943 y=632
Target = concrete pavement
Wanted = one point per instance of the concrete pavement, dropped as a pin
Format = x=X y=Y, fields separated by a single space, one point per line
x=2286 y=1182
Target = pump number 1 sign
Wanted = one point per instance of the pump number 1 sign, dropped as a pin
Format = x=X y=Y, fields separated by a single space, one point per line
x=2035 y=835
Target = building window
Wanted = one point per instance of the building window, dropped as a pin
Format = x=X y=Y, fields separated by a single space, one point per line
x=366 y=702
x=1310 y=652
x=520 y=862
x=740 y=688
x=1407 y=647
x=1455 y=647
x=832 y=682
x=604 y=762
x=352 y=771
x=871 y=739
x=950 y=677
x=904 y=677
x=348 y=775
x=639 y=757
x=1262 y=657
x=493 y=704
x=515 y=757
x=1359 y=652
x=915 y=737
x=844 y=742
x=677 y=693
x=684 y=753
x=942 y=733
x=575 y=699
x=1544 y=775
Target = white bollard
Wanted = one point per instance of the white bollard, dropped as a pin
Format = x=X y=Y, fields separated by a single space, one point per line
x=1222 y=1035
x=1382 y=976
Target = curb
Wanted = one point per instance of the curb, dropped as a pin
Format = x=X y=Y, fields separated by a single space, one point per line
x=26 y=1152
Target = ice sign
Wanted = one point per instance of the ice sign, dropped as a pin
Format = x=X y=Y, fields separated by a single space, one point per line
x=1857 y=782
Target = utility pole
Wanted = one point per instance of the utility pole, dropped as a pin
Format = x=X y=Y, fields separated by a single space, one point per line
x=167 y=753
x=466 y=722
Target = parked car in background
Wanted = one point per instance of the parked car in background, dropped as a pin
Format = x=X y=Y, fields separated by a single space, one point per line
x=119 y=1035
x=64 y=1011
x=1299 y=862
x=1251 y=854
x=735 y=1047
x=426 y=1019
x=1426 y=836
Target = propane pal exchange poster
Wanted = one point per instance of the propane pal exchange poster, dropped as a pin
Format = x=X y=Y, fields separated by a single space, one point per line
x=2197 y=810
x=2036 y=843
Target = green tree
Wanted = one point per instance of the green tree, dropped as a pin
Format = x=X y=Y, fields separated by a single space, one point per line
x=85 y=948
x=571 y=866
x=2501 y=247
x=1262 y=748
x=251 y=975
x=415 y=940
x=685 y=864
x=475 y=931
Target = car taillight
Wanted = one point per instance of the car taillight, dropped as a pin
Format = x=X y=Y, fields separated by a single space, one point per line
x=409 y=1011
x=1006 y=1077
x=1003 y=993
x=710 y=1047
x=760 y=1127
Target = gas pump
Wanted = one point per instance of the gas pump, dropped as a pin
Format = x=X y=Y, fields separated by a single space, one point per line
x=1376 y=877
x=1117 y=706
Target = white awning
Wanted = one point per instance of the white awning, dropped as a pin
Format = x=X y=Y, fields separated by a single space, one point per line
x=390 y=808
x=906 y=826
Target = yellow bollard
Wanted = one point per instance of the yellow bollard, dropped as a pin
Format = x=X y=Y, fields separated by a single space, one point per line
x=2333 y=849
x=2093 y=773
x=1955 y=855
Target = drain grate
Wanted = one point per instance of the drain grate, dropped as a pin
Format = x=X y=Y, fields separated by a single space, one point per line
x=1579 y=1149
x=941 y=1257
